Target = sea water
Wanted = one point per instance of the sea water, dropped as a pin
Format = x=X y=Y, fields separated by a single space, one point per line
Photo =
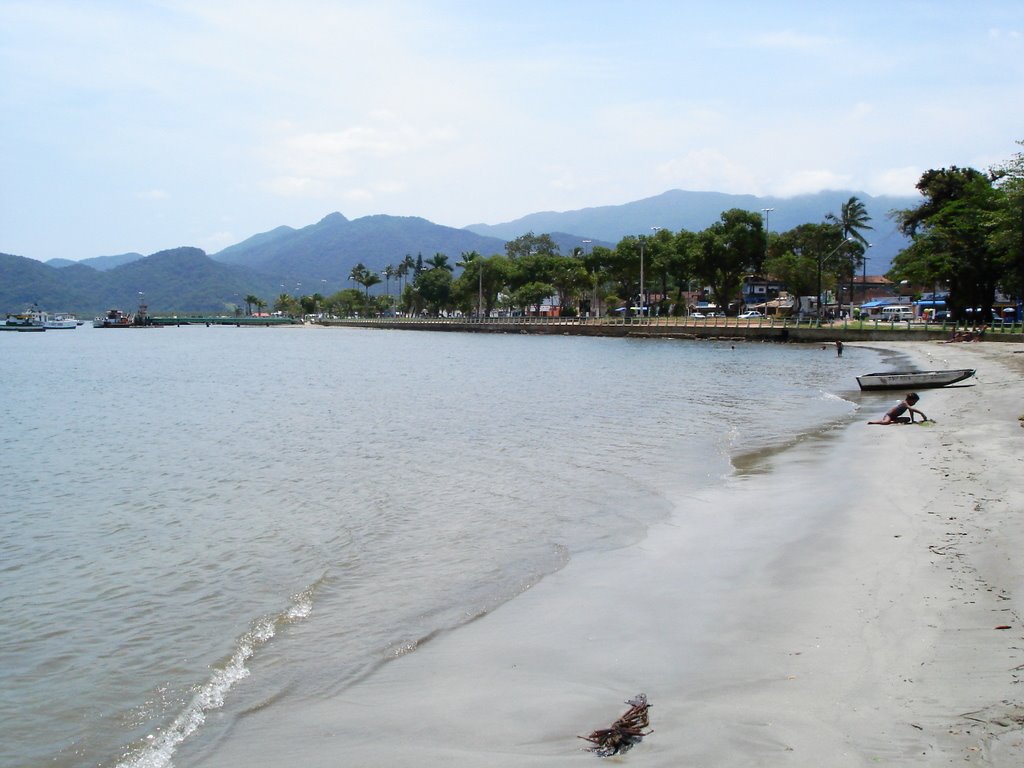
x=199 y=521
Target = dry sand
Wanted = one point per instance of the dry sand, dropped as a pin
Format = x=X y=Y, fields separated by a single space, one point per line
x=874 y=618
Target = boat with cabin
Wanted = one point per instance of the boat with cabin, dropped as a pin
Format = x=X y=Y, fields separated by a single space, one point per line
x=24 y=322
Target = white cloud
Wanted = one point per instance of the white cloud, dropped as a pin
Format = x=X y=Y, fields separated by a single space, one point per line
x=809 y=181
x=895 y=181
x=707 y=170
x=153 y=194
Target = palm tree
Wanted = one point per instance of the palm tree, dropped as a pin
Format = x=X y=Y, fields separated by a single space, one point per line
x=853 y=217
x=439 y=261
x=369 y=280
x=359 y=271
x=250 y=300
x=469 y=258
x=388 y=272
x=402 y=271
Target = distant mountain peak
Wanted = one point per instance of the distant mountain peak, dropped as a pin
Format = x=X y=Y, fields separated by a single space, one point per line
x=332 y=219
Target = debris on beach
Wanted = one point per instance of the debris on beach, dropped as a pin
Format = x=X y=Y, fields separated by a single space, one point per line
x=625 y=732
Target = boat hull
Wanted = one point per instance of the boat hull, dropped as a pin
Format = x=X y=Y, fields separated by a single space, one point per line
x=910 y=380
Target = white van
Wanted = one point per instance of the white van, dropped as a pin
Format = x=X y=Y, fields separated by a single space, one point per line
x=898 y=313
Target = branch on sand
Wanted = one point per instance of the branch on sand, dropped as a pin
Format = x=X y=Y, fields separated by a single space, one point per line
x=624 y=733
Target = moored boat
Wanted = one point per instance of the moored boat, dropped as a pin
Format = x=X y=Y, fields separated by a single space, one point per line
x=911 y=380
x=61 y=321
x=56 y=322
x=114 y=318
x=26 y=321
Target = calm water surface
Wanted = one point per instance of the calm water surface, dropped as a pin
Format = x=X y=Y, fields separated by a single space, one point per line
x=199 y=521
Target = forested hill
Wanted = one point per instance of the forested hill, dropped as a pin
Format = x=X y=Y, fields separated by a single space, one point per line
x=319 y=258
x=327 y=251
x=177 y=280
x=694 y=211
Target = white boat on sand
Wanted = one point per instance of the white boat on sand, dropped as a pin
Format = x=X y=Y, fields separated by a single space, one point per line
x=911 y=380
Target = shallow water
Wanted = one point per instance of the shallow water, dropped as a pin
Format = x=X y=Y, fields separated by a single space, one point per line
x=202 y=521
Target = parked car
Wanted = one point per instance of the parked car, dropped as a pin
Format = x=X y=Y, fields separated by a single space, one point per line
x=751 y=315
x=698 y=314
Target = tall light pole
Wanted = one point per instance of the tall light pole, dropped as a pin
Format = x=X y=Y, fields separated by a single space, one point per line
x=766 y=211
x=644 y=303
x=826 y=258
x=593 y=309
x=864 y=278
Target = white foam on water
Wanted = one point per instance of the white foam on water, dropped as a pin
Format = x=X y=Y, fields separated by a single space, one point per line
x=159 y=749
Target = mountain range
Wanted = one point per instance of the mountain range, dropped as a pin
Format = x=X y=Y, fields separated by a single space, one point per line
x=320 y=257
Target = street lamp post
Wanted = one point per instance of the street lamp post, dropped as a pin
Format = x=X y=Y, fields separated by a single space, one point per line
x=641 y=275
x=864 y=279
x=826 y=258
x=594 y=307
x=766 y=211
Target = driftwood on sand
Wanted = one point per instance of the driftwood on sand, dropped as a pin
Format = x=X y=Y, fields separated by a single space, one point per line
x=625 y=732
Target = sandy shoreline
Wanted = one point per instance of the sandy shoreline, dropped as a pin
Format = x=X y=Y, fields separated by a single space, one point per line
x=857 y=627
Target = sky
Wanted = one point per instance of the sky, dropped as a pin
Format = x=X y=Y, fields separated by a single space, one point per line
x=141 y=125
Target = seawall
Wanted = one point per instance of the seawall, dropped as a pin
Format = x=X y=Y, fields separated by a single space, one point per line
x=679 y=328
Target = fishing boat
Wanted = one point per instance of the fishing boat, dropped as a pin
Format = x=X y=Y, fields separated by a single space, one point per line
x=911 y=380
x=114 y=318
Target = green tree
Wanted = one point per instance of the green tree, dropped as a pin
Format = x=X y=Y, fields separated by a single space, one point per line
x=852 y=220
x=678 y=265
x=726 y=250
x=287 y=305
x=1008 y=234
x=404 y=268
x=954 y=238
x=532 y=295
x=529 y=243
x=438 y=261
x=434 y=289
x=369 y=280
x=347 y=302
x=570 y=280
x=796 y=253
x=467 y=289
x=250 y=300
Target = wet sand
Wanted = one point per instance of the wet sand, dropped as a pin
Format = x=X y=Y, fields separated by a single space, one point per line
x=857 y=604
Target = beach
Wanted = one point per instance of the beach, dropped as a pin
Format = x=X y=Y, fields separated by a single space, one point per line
x=874 y=618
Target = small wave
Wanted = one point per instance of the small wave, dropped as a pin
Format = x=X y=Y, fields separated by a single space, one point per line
x=159 y=749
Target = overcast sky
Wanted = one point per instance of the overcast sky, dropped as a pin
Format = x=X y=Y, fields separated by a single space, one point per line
x=143 y=125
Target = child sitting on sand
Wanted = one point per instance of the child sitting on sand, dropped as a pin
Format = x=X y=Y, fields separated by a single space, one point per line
x=895 y=414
